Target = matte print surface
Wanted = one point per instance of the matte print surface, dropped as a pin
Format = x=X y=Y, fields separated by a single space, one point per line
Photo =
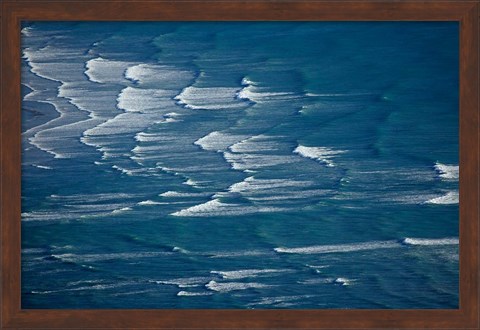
x=244 y=165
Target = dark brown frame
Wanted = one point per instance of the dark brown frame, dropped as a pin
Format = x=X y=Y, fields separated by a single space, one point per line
x=466 y=12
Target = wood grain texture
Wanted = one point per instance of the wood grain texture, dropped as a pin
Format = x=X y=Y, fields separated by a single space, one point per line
x=469 y=163
x=240 y=10
x=12 y=12
x=10 y=167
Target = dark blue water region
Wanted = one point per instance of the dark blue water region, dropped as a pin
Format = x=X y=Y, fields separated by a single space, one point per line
x=246 y=165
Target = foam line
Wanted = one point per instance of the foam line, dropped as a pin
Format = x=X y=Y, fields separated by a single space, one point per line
x=447 y=172
x=253 y=93
x=218 y=141
x=100 y=70
x=217 y=208
x=321 y=154
x=246 y=273
x=255 y=144
x=183 y=194
x=184 y=282
x=341 y=248
x=210 y=98
x=193 y=294
x=133 y=99
x=233 y=286
x=365 y=246
x=159 y=76
x=80 y=258
x=449 y=198
x=431 y=241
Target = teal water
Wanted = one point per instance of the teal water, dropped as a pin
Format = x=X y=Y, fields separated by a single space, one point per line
x=240 y=165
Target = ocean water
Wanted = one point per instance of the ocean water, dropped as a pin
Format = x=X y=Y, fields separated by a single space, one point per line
x=240 y=165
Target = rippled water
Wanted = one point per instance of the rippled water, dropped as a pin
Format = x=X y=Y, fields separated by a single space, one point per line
x=240 y=165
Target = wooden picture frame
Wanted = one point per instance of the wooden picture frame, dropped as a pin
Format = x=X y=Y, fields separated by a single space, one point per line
x=466 y=12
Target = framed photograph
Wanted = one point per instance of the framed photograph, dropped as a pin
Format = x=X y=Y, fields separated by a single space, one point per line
x=240 y=164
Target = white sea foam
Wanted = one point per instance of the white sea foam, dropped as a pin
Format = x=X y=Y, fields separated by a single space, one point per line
x=255 y=144
x=431 y=241
x=124 y=123
x=27 y=31
x=343 y=281
x=218 y=141
x=206 y=209
x=74 y=211
x=133 y=99
x=285 y=193
x=97 y=102
x=148 y=102
x=270 y=190
x=145 y=149
x=84 y=288
x=243 y=162
x=336 y=94
x=316 y=267
x=159 y=76
x=96 y=209
x=61 y=114
x=79 y=258
x=291 y=195
x=122 y=210
x=449 y=198
x=149 y=137
x=279 y=300
x=58 y=136
x=246 y=81
x=217 y=208
x=236 y=254
x=33 y=250
x=185 y=282
x=44 y=63
x=252 y=185
x=448 y=172
x=233 y=286
x=173 y=114
x=210 y=98
x=131 y=293
x=317 y=280
x=183 y=194
x=180 y=250
x=142 y=107
x=167 y=120
x=85 y=282
x=70 y=74
x=194 y=183
x=66 y=136
x=42 y=167
x=48 y=141
x=341 y=248
x=193 y=294
x=246 y=273
x=91 y=198
x=33 y=95
x=121 y=169
x=322 y=154
x=48 y=149
x=170 y=117
x=365 y=246
x=149 y=202
x=252 y=92
x=103 y=71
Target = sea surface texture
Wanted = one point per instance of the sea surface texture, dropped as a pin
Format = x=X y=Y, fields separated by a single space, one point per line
x=245 y=165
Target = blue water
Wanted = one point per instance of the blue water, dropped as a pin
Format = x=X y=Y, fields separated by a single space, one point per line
x=240 y=165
